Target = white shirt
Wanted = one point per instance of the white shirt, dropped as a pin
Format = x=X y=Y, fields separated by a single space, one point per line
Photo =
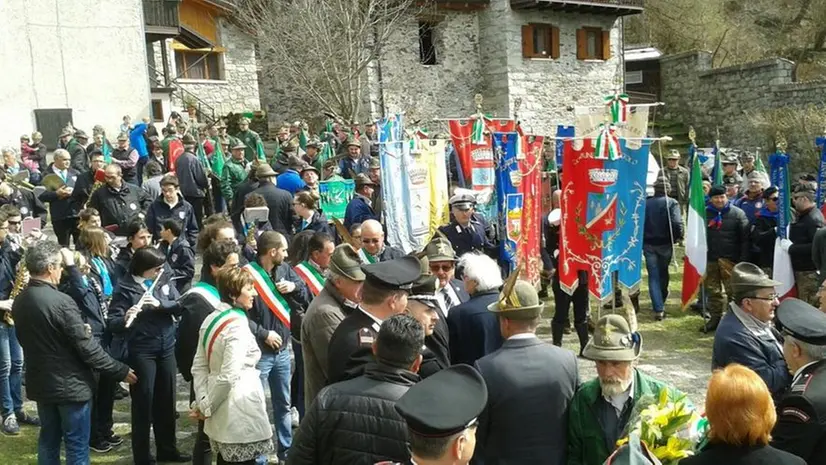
x=376 y=321
x=453 y=297
x=618 y=401
x=519 y=336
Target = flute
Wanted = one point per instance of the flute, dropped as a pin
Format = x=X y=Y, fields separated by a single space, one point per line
x=145 y=295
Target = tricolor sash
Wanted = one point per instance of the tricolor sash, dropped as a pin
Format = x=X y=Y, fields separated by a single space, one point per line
x=268 y=293
x=208 y=292
x=216 y=326
x=366 y=257
x=310 y=275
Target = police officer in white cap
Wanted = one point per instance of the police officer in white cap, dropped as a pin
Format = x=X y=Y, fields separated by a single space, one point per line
x=467 y=232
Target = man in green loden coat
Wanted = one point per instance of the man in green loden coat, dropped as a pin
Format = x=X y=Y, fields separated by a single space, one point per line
x=601 y=408
x=251 y=139
x=235 y=172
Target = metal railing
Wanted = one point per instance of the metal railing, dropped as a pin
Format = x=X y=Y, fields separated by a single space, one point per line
x=206 y=112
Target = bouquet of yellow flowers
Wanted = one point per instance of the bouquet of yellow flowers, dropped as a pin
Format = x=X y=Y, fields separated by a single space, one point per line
x=669 y=428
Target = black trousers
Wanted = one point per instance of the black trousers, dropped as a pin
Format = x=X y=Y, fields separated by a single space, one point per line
x=562 y=303
x=197 y=205
x=153 y=403
x=201 y=450
x=64 y=229
x=103 y=403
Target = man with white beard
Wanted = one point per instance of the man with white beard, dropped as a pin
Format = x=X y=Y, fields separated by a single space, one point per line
x=601 y=407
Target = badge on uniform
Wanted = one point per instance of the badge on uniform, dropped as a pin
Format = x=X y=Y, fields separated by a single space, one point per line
x=365 y=337
x=796 y=413
x=173 y=257
x=182 y=215
x=165 y=289
x=24 y=211
x=133 y=206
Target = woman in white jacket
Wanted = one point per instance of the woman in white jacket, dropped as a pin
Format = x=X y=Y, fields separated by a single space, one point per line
x=228 y=391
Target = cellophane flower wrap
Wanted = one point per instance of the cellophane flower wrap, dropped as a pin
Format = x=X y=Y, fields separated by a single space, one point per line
x=669 y=426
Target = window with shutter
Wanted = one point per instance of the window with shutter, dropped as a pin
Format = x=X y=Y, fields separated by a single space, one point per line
x=593 y=44
x=540 y=41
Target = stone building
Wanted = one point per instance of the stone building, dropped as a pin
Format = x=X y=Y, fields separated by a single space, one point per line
x=88 y=62
x=546 y=54
x=82 y=61
x=210 y=66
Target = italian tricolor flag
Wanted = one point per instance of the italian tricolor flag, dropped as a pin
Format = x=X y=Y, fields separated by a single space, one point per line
x=696 y=247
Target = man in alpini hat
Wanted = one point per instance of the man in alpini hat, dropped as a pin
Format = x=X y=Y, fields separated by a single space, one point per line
x=530 y=427
x=602 y=406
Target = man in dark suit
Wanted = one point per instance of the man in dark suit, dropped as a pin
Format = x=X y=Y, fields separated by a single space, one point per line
x=467 y=232
x=530 y=385
x=373 y=247
x=360 y=208
x=384 y=294
x=61 y=204
x=279 y=201
x=474 y=331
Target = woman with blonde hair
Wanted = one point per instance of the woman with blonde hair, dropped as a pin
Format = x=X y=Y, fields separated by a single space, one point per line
x=229 y=396
x=741 y=416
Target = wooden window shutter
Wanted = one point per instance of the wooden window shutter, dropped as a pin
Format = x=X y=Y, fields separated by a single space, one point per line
x=606 y=45
x=527 y=41
x=581 y=44
x=554 y=42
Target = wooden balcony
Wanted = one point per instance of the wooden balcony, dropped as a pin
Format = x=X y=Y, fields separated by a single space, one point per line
x=596 y=7
x=161 y=18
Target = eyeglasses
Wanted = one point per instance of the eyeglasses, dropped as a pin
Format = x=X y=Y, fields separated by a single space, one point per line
x=774 y=199
x=445 y=267
x=370 y=241
x=770 y=298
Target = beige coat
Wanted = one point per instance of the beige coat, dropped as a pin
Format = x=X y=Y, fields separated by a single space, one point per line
x=228 y=388
x=320 y=321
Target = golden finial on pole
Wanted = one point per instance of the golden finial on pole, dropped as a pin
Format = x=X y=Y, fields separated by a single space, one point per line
x=478 y=100
x=780 y=142
x=692 y=135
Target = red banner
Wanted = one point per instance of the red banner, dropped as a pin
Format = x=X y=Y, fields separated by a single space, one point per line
x=531 y=169
x=477 y=158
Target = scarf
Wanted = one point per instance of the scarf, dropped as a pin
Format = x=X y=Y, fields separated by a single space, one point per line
x=717 y=221
x=766 y=213
x=755 y=326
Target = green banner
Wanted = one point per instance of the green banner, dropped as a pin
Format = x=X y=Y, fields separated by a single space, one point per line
x=335 y=195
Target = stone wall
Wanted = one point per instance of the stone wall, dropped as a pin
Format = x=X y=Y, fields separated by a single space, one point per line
x=695 y=94
x=445 y=89
x=85 y=55
x=481 y=52
x=238 y=91
x=546 y=86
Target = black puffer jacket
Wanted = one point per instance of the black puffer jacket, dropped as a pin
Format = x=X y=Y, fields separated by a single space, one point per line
x=118 y=207
x=354 y=422
x=731 y=240
x=60 y=353
x=802 y=234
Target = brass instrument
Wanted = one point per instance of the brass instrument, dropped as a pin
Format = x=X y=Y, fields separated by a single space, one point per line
x=21 y=279
x=52 y=182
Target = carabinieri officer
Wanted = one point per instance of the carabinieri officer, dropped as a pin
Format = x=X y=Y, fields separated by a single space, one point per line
x=801 y=413
x=467 y=232
x=384 y=294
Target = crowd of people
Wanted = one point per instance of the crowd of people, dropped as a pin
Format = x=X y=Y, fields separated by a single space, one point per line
x=369 y=354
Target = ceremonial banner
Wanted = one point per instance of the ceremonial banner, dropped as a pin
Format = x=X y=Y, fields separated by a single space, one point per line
x=562 y=131
x=518 y=190
x=434 y=155
x=603 y=212
x=821 y=172
x=176 y=149
x=396 y=182
x=335 y=195
x=782 y=266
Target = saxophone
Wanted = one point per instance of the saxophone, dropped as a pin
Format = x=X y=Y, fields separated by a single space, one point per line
x=20 y=281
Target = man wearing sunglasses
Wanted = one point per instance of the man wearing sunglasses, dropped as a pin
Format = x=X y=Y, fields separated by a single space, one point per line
x=373 y=248
x=746 y=335
x=763 y=233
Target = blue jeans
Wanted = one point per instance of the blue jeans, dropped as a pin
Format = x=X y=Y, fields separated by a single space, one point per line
x=657 y=259
x=11 y=371
x=275 y=372
x=69 y=423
